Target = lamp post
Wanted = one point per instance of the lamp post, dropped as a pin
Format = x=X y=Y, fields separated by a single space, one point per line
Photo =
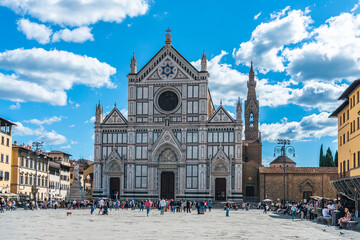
x=283 y=147
x=37 y=145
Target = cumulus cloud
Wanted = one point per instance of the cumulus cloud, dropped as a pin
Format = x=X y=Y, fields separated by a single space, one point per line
x=15 y=106
x=268 y=40
x=78 y=12
x=50 y=138
x=332 y=54
x=310 y=127
x=46 y=121
x=65 y=147
x=124 y=112
x=77 y=35
x=91 y=120
x=38 y=32
x=43 y=76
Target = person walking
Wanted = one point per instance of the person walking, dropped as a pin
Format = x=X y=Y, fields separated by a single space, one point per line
x=148 y=206
x=92 y=206
x=210 y=205
x=188 y=206
x=227 y=207
x=293 y=212
x=162 y=206
x=101 y=205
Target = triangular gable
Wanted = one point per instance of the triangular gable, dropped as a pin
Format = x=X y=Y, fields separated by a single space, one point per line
x=169 y=52
x=220 y=162
x=167 y=136
x=115 y=117
x=251 y=105
x=220 y=116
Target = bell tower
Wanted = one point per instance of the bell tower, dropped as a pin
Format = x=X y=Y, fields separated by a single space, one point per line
x=251 y=109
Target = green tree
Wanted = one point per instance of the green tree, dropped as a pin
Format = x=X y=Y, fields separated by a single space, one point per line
x=328 y=160
x=336 y=159
x=321 y=156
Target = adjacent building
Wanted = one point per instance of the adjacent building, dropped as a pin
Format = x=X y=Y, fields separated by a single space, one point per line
x=62 y=158
x=54 y=180
x=348 y=114
x=174 y=142
x=5 y=154
x=300 y=182
x=29 y=172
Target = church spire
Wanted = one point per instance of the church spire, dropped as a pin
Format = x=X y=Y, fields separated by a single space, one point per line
x=239 y=110
x=251 y=73
x=168 y=37
x=251 y=109
x=133 y=65
x=203 y=62
x=98 y=113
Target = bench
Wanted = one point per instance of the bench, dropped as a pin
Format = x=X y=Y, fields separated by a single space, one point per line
x=350 y=224
x=327 y=220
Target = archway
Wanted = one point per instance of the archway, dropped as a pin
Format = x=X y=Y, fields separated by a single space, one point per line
x=167 y=185
x=220 y=189
x=114 y=187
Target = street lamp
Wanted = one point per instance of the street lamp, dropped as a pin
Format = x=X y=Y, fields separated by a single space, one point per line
x=37 y=145
x=282 y=148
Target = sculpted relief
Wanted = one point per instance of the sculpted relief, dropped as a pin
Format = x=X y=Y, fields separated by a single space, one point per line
x=167 y=155
x=220 y=167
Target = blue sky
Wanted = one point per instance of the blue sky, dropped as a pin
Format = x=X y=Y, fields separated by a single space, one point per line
x=57 y=61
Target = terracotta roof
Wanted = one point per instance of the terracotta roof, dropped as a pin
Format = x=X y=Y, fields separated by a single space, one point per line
x=55 y=151
x=299 y=170
x=280 y=159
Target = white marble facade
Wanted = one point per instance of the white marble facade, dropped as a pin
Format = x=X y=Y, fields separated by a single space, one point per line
x=173 y=143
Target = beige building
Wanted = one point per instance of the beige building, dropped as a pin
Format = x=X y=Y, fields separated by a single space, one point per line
x=5 y=154
x=63 y=159
x=54 y=180
x=29 y=171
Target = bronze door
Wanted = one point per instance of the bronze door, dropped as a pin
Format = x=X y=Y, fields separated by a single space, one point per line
x=220 y=189
x=167 y=185
x=114 y=187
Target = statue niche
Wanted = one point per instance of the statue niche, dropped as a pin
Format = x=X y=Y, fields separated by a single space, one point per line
x=167 y=155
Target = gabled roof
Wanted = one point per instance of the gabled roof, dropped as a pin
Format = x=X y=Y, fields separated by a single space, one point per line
x=58 y=152
x=349 y=90
x=113 y=112
x=157 y=55
x=221 y=120
x=339 y=109
x=3 y=120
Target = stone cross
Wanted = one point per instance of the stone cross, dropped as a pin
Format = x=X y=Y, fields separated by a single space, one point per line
x=221 y=114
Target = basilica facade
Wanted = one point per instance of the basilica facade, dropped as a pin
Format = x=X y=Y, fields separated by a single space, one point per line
x=174 y=143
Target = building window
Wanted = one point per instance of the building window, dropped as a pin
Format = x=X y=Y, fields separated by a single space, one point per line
x=7 y=142
x=141 y=174
x=192 y=152
x=340 y=141
x=222 y=137
x=2 y=140
x=30 y=180
x=347 y=113
x=348 y=165
x=7 y=176
x=354 y=155
x=193 y=91
x=26 y=179
x=2 y=157
x=142 y=93
x=21 y=179
x=340 y=120
x=178 y=135
x=141 y=152
x=141 y=137
x=122 y=151
x=43 y=182
x=125 y=176
x=1 y=175
x=344 y=138
x=156 y=134
x=233 y=176
x=191 y=176
x=192 y=107
x=344 y=117
x=192 y=137
x=142 y=108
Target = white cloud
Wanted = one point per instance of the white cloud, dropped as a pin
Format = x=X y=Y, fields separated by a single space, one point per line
x=78 y=12
x=310 y=127
x=38 y=32
x=332 y=54
x=91 y=120
x=46 y=121
x=124 y=112
x=77 y=35
x=14 y=106
x=268 y=40
x=72 y=125
x=257 y=16
x=356 y=6
x=73 y=142
x=43 y=76
x=65 y=147
x=50 y=138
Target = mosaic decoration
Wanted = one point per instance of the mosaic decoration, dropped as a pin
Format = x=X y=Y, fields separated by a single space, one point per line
x=167 y=70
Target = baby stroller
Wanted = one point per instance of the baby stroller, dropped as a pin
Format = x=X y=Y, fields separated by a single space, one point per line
x=105 y=211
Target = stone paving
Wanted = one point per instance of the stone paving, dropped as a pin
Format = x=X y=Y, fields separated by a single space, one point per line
x=128 y=224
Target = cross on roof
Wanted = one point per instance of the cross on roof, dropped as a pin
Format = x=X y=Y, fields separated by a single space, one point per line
x=221 y=113
x=168 y=30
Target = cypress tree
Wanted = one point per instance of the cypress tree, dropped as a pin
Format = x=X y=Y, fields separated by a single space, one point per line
x=321 y=156
x=336 y=159
x=328 y=160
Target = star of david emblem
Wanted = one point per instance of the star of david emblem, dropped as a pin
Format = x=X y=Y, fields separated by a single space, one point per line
x=167 y=70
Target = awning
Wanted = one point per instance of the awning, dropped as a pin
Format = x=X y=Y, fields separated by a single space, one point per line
x=348 y=186
x=9 y=195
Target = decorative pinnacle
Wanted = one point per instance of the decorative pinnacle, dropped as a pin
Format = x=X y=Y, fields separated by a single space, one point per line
x=168 y=36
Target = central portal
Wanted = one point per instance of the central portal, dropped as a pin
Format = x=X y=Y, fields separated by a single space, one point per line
x=114 y=187
x=220 y=189
x=167 y=185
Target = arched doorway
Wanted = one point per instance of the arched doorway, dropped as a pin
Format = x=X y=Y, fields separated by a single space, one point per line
x=114 y=187
x=167 y=185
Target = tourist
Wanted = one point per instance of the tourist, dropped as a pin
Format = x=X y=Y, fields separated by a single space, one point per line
x=92 y=206
x=325 y=212
x=2 y=205
x=227 y=206
x=210 y=205
x=101 y=205
x=162 y=206
x=148 y=205
x=265 y=208
x=293 y=212
x=345 y=219
x=141 y=206
x=188 y=206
